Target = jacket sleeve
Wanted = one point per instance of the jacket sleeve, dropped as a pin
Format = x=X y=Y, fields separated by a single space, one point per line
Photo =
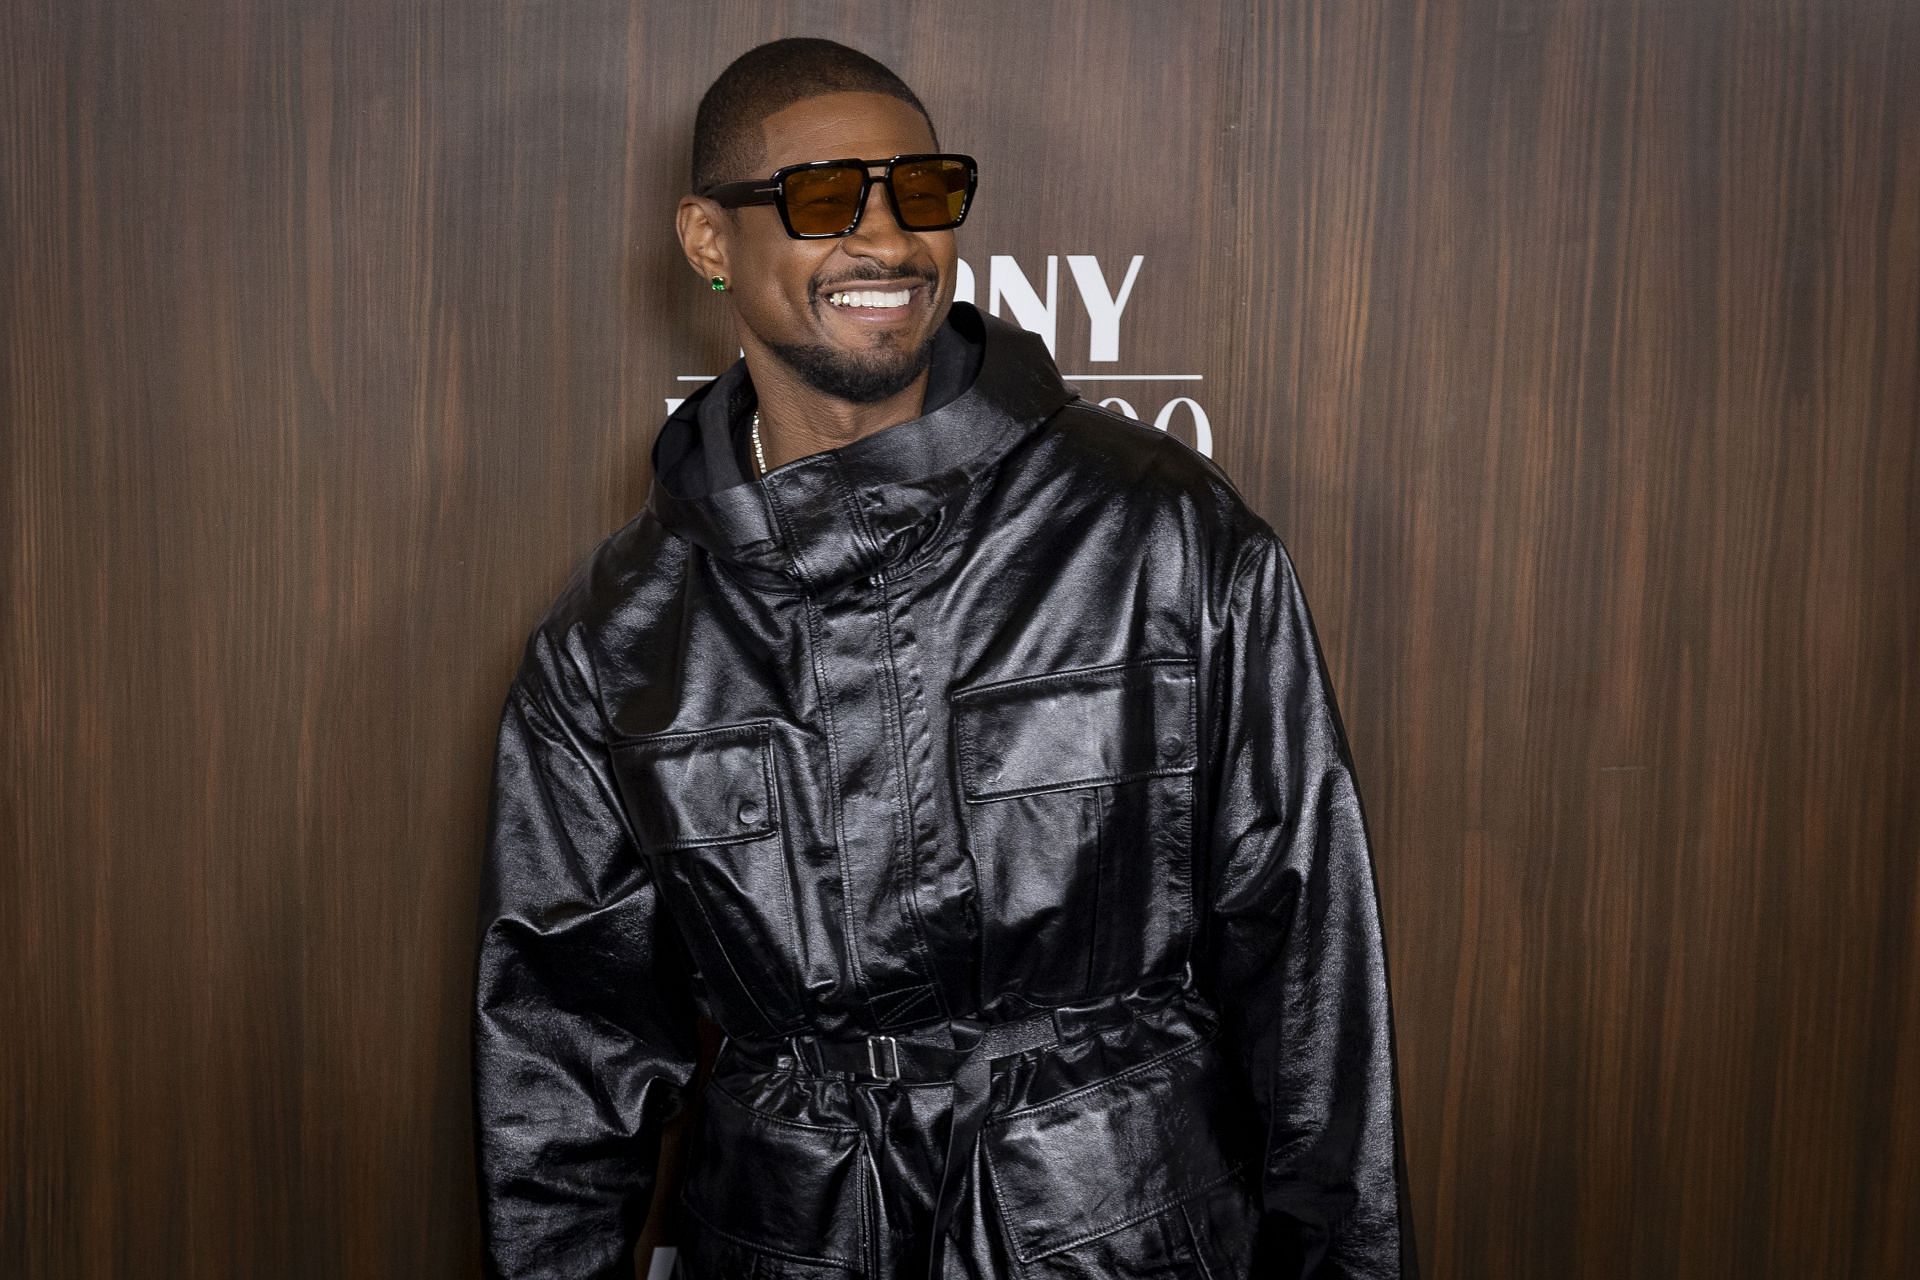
x=1295 y=952
x=583 y=1037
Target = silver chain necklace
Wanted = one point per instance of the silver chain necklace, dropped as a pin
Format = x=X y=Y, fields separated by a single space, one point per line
x=759 y=454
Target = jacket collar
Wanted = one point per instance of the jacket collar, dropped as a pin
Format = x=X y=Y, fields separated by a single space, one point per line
x=846 y=511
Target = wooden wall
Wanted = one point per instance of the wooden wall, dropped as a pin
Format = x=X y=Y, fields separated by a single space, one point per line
x=1573 y=346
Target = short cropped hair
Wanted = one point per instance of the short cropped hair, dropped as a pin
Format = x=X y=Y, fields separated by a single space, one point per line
x=768 y=77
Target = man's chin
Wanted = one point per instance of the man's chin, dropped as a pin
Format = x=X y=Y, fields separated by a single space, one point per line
x=864 y=377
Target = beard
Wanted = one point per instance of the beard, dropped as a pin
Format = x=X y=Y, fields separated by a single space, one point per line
x=858 y=377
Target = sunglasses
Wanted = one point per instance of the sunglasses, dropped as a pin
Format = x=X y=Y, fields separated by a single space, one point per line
x=825 y=198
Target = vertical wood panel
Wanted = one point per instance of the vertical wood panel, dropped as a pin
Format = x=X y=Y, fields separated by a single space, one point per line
x=1572 y=346
x=1598 y=363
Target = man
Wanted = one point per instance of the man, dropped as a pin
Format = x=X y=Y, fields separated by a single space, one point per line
x=965 y=753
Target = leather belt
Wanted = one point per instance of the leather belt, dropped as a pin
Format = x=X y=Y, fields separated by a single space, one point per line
x=960 y=1051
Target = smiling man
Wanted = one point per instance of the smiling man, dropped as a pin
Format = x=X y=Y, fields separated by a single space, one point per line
x=965 y=753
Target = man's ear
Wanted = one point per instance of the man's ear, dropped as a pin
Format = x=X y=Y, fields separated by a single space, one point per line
x=702 y=225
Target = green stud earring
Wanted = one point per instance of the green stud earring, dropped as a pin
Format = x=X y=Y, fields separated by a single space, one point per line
x=719 y=284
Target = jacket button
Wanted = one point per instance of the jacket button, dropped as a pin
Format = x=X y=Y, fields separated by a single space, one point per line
x=749 y=811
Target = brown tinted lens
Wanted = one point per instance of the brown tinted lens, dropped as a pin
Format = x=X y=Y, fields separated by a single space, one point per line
x=822 y=201
x=930 y=193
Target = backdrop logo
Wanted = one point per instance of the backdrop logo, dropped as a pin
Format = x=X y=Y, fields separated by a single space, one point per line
x=1103 y=293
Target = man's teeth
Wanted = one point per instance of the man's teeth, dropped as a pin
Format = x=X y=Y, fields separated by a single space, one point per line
x=870 y=298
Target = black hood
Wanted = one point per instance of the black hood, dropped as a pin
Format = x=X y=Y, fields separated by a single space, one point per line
x=850 y=510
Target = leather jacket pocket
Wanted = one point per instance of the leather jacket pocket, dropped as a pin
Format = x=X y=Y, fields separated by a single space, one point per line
x=705 y=809
x=704 y=787
x=1078 y=1168
x=1077 y=790
x=774 y=1197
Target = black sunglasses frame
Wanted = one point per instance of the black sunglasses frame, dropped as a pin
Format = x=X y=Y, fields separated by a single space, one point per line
x=772 y=190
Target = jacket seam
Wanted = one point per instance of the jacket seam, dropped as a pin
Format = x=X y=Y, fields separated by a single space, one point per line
x=727 y=955
x=1159 y=1206
x=1184 y=851
x=762 y=725
x=1071 y=673
x=904 y=1001
x=1193 y=1237
x=839 y=1264
x=1000 y=1215
x=1100 y=780
x=782 y=526
x=1106 y=1082
x=1094 y=833
x=758 y=1114
x=1186 y=863
x=568 y=740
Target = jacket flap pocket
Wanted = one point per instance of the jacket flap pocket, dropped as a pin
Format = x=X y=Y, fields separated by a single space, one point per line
x=709 y=786
x=1075 y=728
x=1100 y=1158
x=777 y=1184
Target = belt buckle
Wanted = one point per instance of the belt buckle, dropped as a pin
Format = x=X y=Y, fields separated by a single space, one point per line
x=892 y=1068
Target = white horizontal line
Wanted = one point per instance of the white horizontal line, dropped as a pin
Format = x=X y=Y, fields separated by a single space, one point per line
x=1075 y=377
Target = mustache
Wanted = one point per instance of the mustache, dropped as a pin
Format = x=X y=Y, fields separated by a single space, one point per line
x=868 y=272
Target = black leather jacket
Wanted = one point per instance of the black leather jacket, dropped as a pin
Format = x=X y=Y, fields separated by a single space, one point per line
x=981 y=780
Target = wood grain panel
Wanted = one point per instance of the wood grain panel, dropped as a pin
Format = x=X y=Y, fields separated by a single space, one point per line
x=1572 y=346
x=1597 y=355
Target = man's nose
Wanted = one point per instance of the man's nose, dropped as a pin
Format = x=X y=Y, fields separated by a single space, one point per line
x=880 y=234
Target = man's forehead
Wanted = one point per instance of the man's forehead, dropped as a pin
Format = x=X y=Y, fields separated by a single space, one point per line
x=828 y=126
